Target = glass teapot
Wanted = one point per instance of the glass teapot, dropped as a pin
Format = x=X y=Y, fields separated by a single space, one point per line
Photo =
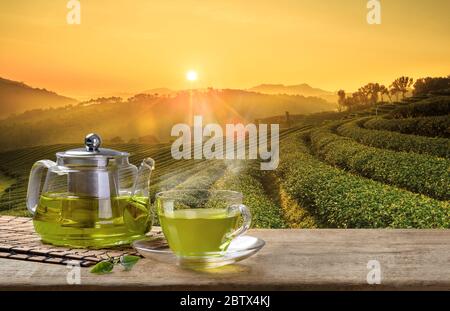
x=91 y=197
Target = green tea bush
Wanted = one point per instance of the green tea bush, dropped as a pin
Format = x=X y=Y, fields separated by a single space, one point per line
x=418 y=173
x=205 y=177
x=243 y=178
x=344 y=200
x=295 y=215
x=438 y=126
x=433 y=106
x=439 y=147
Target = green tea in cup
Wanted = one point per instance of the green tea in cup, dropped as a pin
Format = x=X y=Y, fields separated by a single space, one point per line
x=199 y=223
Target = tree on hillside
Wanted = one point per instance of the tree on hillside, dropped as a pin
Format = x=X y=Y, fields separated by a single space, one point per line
x=341 y=100
x=350 y=102
x=102 y=100
x=426 y=85
x=363 y=95
x=142 y=98
x=401 y=85
x=356 y=99
x=394 y=92
x=373 y=89
x=384 y=91
x=368 y=93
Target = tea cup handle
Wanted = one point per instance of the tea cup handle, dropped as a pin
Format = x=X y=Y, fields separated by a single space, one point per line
x=246 y=218
x=34 y=183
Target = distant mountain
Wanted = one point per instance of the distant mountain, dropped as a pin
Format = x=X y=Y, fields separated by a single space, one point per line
x=142 y=115
x=17 y=97
x=299 y=89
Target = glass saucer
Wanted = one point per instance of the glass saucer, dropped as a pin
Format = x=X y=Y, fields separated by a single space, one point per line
x=240 y=248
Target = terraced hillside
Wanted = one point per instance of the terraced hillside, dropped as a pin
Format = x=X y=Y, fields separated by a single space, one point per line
x=169 y=174
x=386 y=166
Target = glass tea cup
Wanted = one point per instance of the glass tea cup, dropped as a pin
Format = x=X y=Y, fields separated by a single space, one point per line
x=201 y=223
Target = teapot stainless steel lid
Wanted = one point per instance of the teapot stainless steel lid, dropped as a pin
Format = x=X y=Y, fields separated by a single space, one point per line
x=91 y=154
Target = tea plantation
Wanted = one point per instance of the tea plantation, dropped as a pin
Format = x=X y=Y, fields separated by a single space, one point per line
x=383 y=167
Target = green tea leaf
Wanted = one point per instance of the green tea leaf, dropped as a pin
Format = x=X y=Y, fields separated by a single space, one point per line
x=128 y=261
x=103 y=267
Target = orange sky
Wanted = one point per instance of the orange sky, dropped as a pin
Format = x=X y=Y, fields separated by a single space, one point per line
x=134 y=45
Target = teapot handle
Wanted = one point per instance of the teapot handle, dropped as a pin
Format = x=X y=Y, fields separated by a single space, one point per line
x=34 y=183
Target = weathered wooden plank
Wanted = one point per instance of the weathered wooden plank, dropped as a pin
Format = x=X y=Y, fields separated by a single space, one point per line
x=291 y=260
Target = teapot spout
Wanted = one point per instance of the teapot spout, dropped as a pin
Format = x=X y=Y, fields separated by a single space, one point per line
x=142 y=182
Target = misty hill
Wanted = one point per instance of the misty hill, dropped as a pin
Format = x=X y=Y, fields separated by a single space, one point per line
x=17 y=97
x=144 y=114
x=299 y=89
x=159 y=91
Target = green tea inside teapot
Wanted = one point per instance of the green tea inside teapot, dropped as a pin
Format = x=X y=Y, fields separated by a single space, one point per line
x=91 y=197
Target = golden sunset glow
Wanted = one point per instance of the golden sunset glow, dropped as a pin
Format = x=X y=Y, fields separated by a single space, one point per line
x=132 y=46
x=191 y=75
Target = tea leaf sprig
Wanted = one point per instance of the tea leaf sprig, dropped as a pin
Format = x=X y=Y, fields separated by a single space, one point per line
x=107 y=265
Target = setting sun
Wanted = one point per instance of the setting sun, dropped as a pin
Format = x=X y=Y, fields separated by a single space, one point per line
x=191 y=75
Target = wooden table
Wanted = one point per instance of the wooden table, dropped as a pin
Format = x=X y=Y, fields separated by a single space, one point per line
x=291 y=260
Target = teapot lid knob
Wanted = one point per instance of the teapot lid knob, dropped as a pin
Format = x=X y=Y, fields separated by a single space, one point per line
x=92 y=142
